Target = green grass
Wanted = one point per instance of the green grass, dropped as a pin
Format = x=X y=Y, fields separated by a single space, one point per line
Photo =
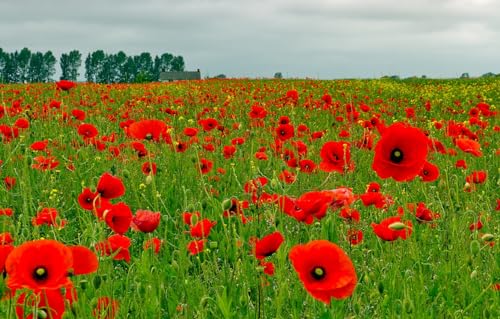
x=433 y=274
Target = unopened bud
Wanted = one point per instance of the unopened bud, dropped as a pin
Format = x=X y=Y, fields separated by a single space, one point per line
x=397 y=226
x=475 y=247
x=226 y=204
x=149 y=179
x=42 y=314
x=488 y=237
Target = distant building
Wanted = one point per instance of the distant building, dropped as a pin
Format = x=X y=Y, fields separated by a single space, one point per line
x=180 y=75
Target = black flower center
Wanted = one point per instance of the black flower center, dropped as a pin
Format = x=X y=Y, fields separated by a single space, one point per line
x=318 y=273
x=397 y=156
x=149 y=136
x=40 y=273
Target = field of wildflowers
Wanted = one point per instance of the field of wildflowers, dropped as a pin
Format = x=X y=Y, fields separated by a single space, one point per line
x=250 y=199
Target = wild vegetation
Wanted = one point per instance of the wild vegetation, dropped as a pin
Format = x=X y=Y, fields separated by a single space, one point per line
x=250 y=199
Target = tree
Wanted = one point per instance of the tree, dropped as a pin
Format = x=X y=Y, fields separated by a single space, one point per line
x=35 y=67
x=48 y=66
x=23 y=61
x=70 y=63
x=93 y=66
x=177 y=64
x=118 y=69
x=144 y=65
x=129 y=71
x=10 y=69
x=3 y=62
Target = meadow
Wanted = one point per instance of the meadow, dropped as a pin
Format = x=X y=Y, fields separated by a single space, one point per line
x=204 y=199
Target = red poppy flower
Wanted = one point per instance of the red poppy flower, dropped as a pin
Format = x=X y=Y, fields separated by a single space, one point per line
x=292 y=95
x=6 y=238
x=39 y=264
x=238 y=141
x=307 y=166
x=477 y=177
x=115 y=244
x=267 y=246
x=400 y=153
x=78 y=114
x=228 y=151
x=154 y=243
x=392 y=228
x=117 y=216
x=336 y=157
x=87 y=199
x=49 y=303
x=147 y=130
x=9 y=182
x=350 y=214
x=476 y=225
x=146 y=221
x=5 y=250
x=65 y=85
x=354 y=236
x=39 y=145
x=44 y=163
x=313 y=204
x=48 y=216
x=22 y=123
x=106 y=308
x=469 y=146
x=285 y=132
x=257 y=112
x=149 y=168
x=324 y=269
x=110 y=186
x=429 y=172
x=6 y=212
x=205 y=165
x=372 y=187
x=190 y=131
x=187 y=217
x=287 y=177
x=424 y=214
x=461 y=164
x=87 y=131
x=208 y=124
x=196 y=246
x=373 y=198
x=202 y=228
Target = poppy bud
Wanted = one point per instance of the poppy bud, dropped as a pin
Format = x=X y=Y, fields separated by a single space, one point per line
x=397 y=226
x=226 y=204
x=488 y=237
x=149 y=179
x=42 y=314
x=475 y=247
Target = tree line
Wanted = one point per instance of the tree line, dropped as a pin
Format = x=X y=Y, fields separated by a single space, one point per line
x=100 y=67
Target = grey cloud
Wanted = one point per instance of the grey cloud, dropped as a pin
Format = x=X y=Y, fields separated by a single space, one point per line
x=317 y=38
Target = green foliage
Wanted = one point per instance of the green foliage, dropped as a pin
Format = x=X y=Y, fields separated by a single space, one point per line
x=443 y=270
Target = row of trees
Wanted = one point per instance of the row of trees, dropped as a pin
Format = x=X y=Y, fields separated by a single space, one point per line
x=26 y=66
x=100 y=67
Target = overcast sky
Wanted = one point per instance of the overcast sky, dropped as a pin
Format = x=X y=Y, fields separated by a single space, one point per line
x=300 y=38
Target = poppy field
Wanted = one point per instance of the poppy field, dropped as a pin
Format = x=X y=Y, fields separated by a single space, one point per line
x=250 y=199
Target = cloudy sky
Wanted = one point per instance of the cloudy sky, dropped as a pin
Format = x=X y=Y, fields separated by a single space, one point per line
x=300 y=38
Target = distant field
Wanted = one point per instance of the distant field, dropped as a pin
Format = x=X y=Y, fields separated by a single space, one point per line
x=408 y=213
